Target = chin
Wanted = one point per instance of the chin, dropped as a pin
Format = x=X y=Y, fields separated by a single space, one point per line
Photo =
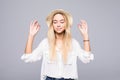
x=59 y=32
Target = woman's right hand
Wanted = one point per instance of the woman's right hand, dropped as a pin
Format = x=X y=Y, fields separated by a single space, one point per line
x=34 y=28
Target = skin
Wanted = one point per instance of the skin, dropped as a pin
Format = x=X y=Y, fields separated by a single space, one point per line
x=83 y=28
x=34 y=28
x=59 y=24
x=59 y=27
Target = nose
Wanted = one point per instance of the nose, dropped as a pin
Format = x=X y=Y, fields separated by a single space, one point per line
x=58 y=25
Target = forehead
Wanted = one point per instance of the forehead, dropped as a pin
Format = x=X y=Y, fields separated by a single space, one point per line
x=58 y=17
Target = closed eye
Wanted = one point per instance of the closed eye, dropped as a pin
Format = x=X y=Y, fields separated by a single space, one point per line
x=62 y=22
x=54 y=21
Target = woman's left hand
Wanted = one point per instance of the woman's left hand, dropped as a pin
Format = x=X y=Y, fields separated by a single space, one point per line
x=83 y=29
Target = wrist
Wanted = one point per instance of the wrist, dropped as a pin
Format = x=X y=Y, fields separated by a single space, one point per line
x=30 y=36
x=85 y=38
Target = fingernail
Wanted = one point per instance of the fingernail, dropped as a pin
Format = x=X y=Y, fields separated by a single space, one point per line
x=78 y=25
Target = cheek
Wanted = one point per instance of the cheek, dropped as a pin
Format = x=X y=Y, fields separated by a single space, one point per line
x=63 y=25
x=54 y=26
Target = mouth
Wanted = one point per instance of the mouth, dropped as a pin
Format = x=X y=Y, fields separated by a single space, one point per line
x=59 y=29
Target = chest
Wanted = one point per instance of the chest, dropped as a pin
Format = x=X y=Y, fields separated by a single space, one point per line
x=71 y=57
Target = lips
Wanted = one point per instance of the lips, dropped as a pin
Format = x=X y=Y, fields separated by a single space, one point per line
x=59 y=29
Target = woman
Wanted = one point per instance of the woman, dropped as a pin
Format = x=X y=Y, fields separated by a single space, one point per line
x=59 y=50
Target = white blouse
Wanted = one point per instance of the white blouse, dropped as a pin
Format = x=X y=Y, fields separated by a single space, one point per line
x=57 y=68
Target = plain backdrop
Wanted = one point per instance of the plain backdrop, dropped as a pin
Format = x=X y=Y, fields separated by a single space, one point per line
x=102 y=16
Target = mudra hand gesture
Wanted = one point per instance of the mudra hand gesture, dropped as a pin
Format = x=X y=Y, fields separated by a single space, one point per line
x=34 y=28
x=83 y=29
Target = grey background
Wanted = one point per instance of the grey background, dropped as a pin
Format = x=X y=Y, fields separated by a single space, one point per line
x=103 y=17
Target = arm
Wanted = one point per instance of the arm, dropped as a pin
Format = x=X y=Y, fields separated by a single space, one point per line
x=85 y=55
x=34 y=28
x=84 y=31
x=86 y=43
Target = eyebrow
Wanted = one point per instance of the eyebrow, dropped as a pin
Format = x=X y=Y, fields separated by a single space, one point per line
x=60 y=20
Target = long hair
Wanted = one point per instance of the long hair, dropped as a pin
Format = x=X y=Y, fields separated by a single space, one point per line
x=67 y=35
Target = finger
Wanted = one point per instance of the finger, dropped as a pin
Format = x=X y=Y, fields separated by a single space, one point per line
x=83 y=21
x=80 y=28
x=38 y=27
x=32 y=23
x=81 y=31
x=35 y=23
x=84 y=24
x=80 y=25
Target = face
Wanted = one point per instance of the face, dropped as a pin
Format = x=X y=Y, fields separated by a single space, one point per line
x=59 y=23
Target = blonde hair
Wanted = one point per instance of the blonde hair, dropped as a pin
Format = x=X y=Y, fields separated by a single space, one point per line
x=67 y=36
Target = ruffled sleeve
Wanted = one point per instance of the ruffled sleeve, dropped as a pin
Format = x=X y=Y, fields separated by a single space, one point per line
x=83 y=55
x=36 y=53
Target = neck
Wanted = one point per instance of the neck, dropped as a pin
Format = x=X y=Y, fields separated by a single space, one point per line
x=59 y=36
x=59 y=40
